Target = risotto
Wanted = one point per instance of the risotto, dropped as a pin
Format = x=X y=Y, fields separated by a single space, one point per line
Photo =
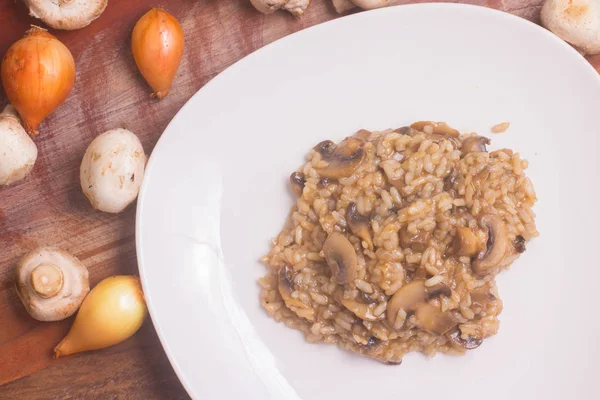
x=395 y=241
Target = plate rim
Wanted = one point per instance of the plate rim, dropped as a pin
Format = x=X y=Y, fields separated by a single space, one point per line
x=347 y=19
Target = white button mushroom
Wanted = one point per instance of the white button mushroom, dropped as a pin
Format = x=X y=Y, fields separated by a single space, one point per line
x=341 y=6
x=296 y=7
x=112 y=170
x=51 y=283
x=66 y=14
x=17 y=151
x=575 y=21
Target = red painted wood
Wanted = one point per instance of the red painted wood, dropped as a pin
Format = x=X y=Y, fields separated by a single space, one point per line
x=48 y=208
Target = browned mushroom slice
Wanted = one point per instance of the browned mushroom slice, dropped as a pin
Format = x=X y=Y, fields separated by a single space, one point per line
x=474 y=144
x=497 y=245
x=412 y=298
x=417 y=242
x=441 y=289
x=297 y=180
x=341 y=257
x=439 y=128
x=519 y=244
x=377 y=349
x=361 y=310
x=466 y=242
x=480 y=299
x=407 y=298
x=404 y=130
x=433 y=320
x=363 y=134
x=342 y=159
x=469 y=343
x=286 y=288
x=359 y=224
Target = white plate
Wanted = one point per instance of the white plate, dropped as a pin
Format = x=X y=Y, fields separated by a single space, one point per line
x=216 y=191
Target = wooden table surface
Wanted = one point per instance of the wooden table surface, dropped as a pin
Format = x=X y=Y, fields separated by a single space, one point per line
x=48 y=207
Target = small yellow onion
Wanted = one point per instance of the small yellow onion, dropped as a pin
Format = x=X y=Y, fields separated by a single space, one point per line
x=38 y=72
x=157 y=45
x=112 y=312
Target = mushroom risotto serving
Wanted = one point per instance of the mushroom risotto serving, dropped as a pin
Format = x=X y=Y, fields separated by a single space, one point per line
x=395 y=241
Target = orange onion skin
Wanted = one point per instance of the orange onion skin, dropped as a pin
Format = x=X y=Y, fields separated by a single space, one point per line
x=38 y=72
x=157 y=43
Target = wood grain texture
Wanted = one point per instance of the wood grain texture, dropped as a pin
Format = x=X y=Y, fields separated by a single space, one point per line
x=48 y=208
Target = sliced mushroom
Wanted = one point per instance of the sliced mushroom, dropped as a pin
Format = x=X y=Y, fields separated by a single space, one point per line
x=403 y=130
x=286 y=288
x=439 y=128
x=449 y=182
x=297 y=180
x=519 y=244
x=466 y=242
x=360 y=225
x=407 y=298
x=412 y=298
x=417 y=242
x=433 y=320
x=361 y=310
x=342 y=159
x=51 y=283
x=377 y=349
x=469 y=343
x=480 y=299
x=363 y=134
x=366 y=298
x=341 y=257
x=497 y=245
x=474 y=144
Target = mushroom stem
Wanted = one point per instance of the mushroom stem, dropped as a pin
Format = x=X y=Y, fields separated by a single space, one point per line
x=51 y=283
x=47 y=280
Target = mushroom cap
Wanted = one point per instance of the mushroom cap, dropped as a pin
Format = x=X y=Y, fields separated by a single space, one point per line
x=51 y=283
x=413 y=297
x=341 y=6
x=371 y=4
x=18 y=152
x=295 y=7
x=575 y=21
x=342 y=159
x=66 y=14
x=298 y=181
x=474 y=144
x=469 y=343
x=341 y=257
x=112 y=170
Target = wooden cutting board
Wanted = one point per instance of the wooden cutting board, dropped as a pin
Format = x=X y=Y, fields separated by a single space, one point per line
x=48 y=208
